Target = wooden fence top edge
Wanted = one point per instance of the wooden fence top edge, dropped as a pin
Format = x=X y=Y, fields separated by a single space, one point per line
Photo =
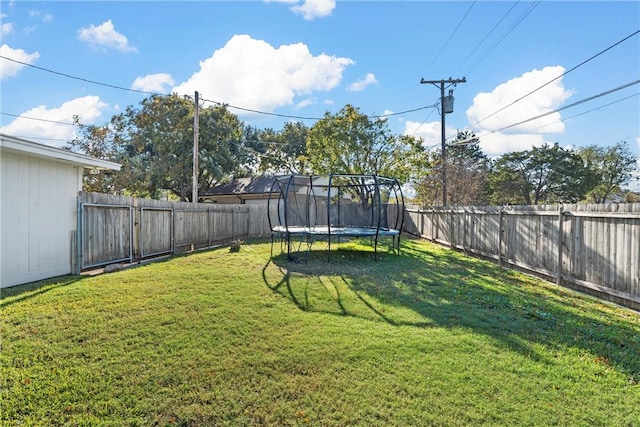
x=588 y=214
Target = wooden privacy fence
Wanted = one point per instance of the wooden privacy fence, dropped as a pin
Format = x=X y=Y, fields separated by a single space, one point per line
x=116 y=229
x=588 y=247
x=593 y=248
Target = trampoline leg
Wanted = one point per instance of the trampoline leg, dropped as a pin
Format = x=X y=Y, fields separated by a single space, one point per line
x=375 y=250
x=271 y=245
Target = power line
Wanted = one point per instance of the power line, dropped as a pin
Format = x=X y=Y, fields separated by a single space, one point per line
x=240 y=108
x=36 y=118
x=451 y=36
x=434 y=107
x=225 y=105
x=287 y=116
x=485 y=37
x=554 y=79
x=582 y=101
x=78 y=78
x=589 y=111
x=504 y=35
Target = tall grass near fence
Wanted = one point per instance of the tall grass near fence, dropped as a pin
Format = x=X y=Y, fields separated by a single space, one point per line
x=429 y=337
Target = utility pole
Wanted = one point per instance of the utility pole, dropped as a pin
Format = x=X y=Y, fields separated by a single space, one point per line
x=440 y=83
x=196 y=137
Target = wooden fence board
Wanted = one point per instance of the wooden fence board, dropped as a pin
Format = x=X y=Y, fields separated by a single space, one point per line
x=156 y=231
x=118 y=228
x=596 y=247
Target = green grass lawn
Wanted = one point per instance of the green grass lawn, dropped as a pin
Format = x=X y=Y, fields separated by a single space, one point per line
x=216 y=338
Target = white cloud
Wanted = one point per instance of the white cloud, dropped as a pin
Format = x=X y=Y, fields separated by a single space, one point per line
x=10 y=68
x=430 y=132
x=6 y=29
x=44 y=17
x=253 y=74
x=159 y=83
x=525 y=135
x=362 y=84
x=304 y=103
x=496 y=144
x=638 y=142
x=88 y=108
x=105 y=36
x=311 y=9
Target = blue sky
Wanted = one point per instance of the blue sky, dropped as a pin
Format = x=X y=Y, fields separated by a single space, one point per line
x=300 y=59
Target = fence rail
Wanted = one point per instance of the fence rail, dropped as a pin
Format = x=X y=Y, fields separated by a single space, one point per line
x=127 y=229
x=594 y=248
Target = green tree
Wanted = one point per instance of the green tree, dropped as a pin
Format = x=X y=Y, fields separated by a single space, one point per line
x=95 y=141
x=163 y=139
x=467 y=173
x=612 y=168
x=509 y=180
x=109 y=141
x=285 y=150
x=350 y=142
x=546 y=174
x=154 y=142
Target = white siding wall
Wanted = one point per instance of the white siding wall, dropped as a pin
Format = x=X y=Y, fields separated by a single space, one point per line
x=37 y=217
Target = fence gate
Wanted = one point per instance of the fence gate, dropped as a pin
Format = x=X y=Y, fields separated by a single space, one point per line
x=155 y=232
x=106 y=234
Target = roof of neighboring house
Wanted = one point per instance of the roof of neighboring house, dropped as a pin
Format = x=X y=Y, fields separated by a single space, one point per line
x=245 y=186
x=13 y=144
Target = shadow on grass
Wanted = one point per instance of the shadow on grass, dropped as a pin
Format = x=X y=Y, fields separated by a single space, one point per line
x=24 y=292
x=428 y=286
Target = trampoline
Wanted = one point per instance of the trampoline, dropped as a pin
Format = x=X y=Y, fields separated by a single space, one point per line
x=306 y=208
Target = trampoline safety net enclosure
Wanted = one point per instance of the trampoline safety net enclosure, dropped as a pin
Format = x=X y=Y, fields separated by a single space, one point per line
x=304 y=208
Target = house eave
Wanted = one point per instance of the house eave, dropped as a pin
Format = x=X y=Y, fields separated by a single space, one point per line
x=12 y=144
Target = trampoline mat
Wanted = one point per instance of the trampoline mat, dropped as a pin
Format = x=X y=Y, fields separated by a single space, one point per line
x=323 y=230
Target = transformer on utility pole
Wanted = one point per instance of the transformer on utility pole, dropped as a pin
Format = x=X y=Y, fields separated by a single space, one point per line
x=446 y=107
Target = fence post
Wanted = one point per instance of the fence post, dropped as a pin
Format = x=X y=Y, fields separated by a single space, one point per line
x=452 y=244
x=137 y=245
x=78 y=266
x=248 y=222
x=233 y=224
x=173 y=230
x=133 y=227
x=560 y=241
x=500 y=239
x=209 y=220
x=434 y=226
x=464 y=230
